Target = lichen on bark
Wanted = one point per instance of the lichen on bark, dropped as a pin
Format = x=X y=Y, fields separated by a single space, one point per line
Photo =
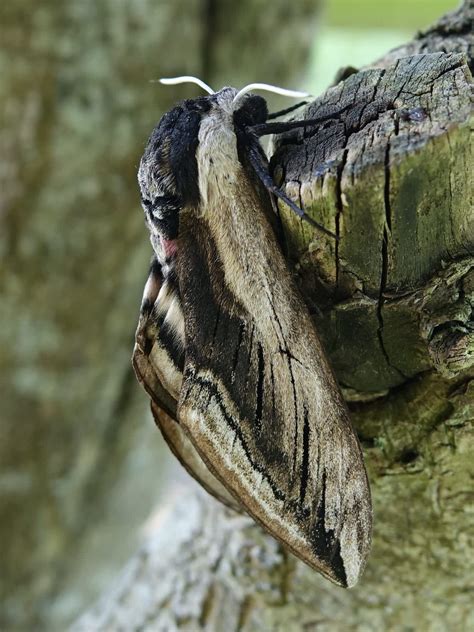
x=80 y=462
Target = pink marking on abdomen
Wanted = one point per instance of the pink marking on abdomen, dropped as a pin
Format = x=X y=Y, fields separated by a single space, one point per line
x=170 y=247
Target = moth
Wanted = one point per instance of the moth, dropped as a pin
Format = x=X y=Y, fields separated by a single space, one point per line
x=240 y=385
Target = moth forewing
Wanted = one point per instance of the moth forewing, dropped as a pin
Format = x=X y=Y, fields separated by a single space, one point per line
x=257 y=404
x=183 y=449
x=283 y=445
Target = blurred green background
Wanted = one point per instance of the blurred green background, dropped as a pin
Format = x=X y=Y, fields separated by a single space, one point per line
x=356 y=32
x=82 y=466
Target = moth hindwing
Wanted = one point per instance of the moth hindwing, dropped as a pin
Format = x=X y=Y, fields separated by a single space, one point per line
x=225 y=347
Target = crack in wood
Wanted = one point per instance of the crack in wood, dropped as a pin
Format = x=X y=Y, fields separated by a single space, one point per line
x=385 y=243
x=339 y=207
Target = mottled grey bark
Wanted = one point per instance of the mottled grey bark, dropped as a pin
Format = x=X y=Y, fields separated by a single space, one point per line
x=391 y=173
x=76 y=108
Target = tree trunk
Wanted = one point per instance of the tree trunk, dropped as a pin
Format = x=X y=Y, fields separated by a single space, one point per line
x=77 y=105
x=391 y=174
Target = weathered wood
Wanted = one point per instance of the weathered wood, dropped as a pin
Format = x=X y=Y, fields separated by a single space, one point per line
x=392 y=175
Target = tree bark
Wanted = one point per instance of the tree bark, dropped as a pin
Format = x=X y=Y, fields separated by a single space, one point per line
x=77 y=106
x=391 y=174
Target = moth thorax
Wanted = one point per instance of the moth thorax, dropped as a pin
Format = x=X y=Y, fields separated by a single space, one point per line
x=218 y=163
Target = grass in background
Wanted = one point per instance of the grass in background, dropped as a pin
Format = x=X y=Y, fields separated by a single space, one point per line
x=356 y=32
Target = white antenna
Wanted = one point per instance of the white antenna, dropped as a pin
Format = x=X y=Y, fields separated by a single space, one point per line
x=270 y=88
x=187 y=79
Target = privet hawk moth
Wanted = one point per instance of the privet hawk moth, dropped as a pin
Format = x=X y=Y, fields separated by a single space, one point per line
x=225 y=347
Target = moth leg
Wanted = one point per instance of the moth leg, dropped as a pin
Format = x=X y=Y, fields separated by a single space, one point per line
x=275 y=115
x=264 y=129
x=261 y=171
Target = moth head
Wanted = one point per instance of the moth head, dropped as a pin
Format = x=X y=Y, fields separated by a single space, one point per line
x=168 y=166
x=168 y=173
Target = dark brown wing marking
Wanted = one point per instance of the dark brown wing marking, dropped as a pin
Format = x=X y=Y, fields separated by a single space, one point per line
x=264 y=412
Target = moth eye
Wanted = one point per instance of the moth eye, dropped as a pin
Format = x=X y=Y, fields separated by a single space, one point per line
x=165 y=205
x=163 y=211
